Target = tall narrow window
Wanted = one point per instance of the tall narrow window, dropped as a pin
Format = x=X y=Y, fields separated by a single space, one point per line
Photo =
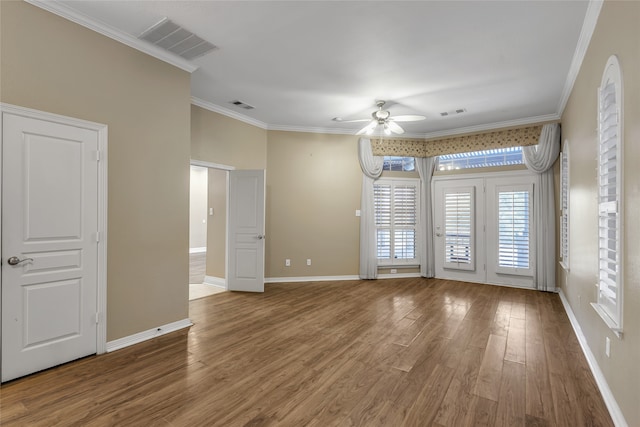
x=564 y=206
x=609 y=304
x=396 y=213
x=514 y=229
x=459 y=228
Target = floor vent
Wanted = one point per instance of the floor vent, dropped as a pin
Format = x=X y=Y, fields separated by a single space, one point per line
x=172 y=37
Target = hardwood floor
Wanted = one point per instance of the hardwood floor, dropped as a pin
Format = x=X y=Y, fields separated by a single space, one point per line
x=406 y=352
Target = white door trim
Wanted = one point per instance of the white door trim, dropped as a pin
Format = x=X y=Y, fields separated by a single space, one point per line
x=225 y=168
x=101 y=130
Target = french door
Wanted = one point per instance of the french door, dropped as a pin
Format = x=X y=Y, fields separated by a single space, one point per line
x=484 y=228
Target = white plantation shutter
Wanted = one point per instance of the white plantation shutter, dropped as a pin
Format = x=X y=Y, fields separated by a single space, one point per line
x=609 y=304
x=382 y=202
x=396 y=215
x=564 y=206
x=459 y=229
x=514 y=230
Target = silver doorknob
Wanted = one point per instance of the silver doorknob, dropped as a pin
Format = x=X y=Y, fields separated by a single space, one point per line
x=260 y=236
x=14 y=260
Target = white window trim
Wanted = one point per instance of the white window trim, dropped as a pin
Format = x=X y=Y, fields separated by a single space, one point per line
x=613 y=73
x=404 y=263
x=564 y=212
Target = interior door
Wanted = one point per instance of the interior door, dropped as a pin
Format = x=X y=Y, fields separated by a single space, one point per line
x=49 y=244
x=459 y=229
x=245 y=270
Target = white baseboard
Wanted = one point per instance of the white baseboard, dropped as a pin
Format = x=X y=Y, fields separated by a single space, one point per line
x=398 y=275
x=147 y=335
x=607 y=395
x=308 y=279
x=219 y=282
x=198 y=250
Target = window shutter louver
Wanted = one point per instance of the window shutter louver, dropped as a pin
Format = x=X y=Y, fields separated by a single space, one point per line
x=564 y=206
x=459 y=229
x=514 y=230
x=396 y=215
x=608 y=197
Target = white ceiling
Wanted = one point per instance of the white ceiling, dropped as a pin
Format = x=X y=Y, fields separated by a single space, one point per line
x=302 y=63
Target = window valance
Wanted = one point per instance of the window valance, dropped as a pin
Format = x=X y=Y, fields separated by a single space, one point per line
x=519 y=137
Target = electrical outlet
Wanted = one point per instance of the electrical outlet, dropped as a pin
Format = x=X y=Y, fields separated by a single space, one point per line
x=287 y=262
x=308 y=261
x=394 y=271
x=607 y=346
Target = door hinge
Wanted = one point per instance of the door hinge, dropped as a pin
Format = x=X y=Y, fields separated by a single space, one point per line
x=97 y=236
x=97 y=318
x=98 y=155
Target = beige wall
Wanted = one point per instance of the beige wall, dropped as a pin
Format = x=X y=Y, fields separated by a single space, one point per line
x=51 y=64
x=617 y=32
x=217 y=224
x=219 y=139
x=313 y=190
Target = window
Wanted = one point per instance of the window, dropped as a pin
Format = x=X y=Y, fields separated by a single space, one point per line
x=401 y=164
x=514 y=213
x=481 y=159
x=458 y=228
x=609 y=303
x=396 y=203
x=564 y=206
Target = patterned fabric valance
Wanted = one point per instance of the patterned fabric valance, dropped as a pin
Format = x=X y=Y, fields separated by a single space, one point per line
x=457 y=144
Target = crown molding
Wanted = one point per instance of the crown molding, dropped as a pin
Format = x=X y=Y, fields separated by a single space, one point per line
x=73 y=15
x=226 y=112
x=494 y=126
x=588 y=27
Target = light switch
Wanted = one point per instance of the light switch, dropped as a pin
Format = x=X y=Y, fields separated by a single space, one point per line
x=210 y=211
x=357 y=212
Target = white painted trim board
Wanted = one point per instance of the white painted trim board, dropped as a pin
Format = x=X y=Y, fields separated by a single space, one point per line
x=147 y=335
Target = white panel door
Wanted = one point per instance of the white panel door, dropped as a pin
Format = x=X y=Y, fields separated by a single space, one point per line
x=459 y=229
x=49 y=244
x=245 y=270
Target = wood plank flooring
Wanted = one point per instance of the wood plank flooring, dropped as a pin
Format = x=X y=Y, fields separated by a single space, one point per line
x=404 y=352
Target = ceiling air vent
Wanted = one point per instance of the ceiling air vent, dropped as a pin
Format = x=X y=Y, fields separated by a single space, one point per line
x=453 y=112
x=172 y=37
x=242 y=105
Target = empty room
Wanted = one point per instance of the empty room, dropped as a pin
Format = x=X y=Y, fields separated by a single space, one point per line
x=410 y=213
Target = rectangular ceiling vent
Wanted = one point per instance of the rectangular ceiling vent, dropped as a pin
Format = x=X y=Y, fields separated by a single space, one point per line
x=453 y=112
x=172 y=37
x=242 y=105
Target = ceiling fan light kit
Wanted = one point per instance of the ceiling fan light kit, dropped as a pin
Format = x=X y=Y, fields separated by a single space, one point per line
x=382 y=119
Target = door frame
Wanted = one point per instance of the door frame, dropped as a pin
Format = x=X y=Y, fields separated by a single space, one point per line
x=488 y=176
x=226 y=168
x=102 y=133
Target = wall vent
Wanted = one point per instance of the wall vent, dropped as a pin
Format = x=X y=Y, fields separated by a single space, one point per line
x=453 y=112
x=242 y=105
x=172 y=37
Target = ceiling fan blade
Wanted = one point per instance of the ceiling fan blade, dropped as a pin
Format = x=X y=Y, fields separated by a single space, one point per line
x=395 y=128
x=368 y=127
x=339 y=120
x=407 y=118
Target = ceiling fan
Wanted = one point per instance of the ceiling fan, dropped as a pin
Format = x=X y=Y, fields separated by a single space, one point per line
x=382 y=118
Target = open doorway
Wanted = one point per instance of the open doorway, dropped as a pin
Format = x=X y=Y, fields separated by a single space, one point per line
x=207 y=229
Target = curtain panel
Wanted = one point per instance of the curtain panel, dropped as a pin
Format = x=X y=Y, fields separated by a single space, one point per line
x=426 y=166
x=371 y=170
x=540 y=159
